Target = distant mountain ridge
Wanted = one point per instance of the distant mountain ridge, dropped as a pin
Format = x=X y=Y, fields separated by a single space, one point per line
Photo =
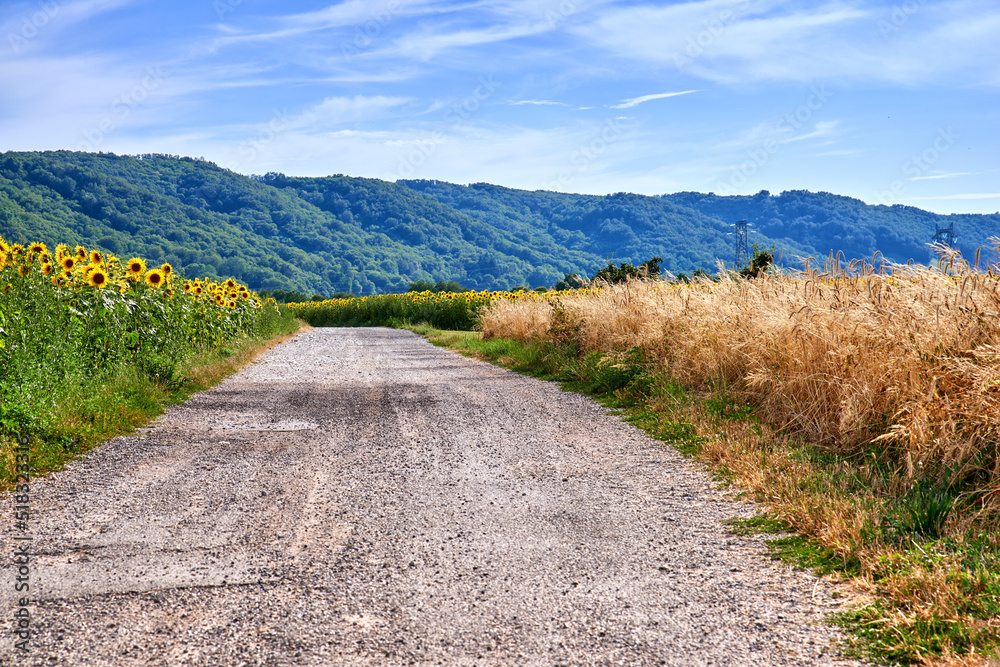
x=823 y=222
x=360 y=235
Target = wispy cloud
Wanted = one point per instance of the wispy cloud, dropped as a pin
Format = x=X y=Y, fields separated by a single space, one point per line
x=539 y=103
x=777 y=41
x=843 y=152
x=933 y=177
x=30 y=27
x=334 y=111
x=636 y=101
x=349 y=14
x=430 y=43
x=823 y=128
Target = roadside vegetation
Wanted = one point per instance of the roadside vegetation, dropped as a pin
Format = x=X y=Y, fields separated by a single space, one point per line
x=455 y=310
x=861 y=407
x=92 y=346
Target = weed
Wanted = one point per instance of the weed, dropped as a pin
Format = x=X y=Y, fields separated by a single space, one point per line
x=923 y=511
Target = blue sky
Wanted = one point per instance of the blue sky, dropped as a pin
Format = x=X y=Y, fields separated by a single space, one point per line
x=887 y=102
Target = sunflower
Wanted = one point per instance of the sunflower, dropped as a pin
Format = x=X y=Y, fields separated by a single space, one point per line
x=61 y=251
x=188 y=286
x=167 y=269
x=219 y=300
x=37 y=248
x=230 y=304
x=17 y=249
x=136 y=267
x=68 y=263
x=81 y=253
x=97 y=278
x=198 y=290
x=24 y=270
x=231 y=284
x=96 y=257
x=46 y=268
x=155 y=278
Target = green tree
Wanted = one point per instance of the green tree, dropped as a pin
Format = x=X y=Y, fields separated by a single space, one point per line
x=572 y=281
x=624 y=271
x=439 y=286
x=761 y=261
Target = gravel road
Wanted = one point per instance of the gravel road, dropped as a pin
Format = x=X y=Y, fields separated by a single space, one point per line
x=358 y=496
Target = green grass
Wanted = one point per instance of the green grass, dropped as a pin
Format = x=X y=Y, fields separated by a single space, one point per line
x=85 y=364
x=798 y=550
x=83 y=416
x=395 y=310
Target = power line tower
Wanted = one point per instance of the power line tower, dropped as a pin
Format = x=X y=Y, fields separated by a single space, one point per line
x=945 y=235
x=742 y=253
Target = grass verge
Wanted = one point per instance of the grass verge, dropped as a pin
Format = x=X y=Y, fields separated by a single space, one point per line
x=933 y=597
x=88 y=414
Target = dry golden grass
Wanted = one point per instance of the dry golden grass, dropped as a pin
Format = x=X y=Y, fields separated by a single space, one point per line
x=907 y=361
x=863 y=388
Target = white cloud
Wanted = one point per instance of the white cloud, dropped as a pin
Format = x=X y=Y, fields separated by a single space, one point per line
x=843 y=152
x=636 y=101
x=940 y=175
x=736 y=43
x=539 y=103
x=823 y=128
x=427 y=44
x=32 y=27
x=339 y=110
x=369 y=18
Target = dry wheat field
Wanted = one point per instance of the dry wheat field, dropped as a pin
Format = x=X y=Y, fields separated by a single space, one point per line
x=870 y=405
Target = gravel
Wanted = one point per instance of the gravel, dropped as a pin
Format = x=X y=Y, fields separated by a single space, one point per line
x=358 y=496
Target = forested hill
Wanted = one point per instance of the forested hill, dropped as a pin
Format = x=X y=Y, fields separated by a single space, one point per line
x=620 y=226
x=823 y=222
x=798 y=222
x=338 y=233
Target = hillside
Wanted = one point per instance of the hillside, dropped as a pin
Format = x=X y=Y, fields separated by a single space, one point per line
x=823 y=221
x=624 y=226
x=339 y=233
x=691 y=229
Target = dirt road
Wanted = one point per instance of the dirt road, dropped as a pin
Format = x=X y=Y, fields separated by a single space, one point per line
x=359 y=496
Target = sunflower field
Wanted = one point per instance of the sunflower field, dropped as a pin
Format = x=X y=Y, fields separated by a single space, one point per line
x=74 y=322
x=457 y=311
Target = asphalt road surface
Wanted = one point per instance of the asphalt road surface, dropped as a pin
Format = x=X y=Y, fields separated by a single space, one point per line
x=358 y=496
